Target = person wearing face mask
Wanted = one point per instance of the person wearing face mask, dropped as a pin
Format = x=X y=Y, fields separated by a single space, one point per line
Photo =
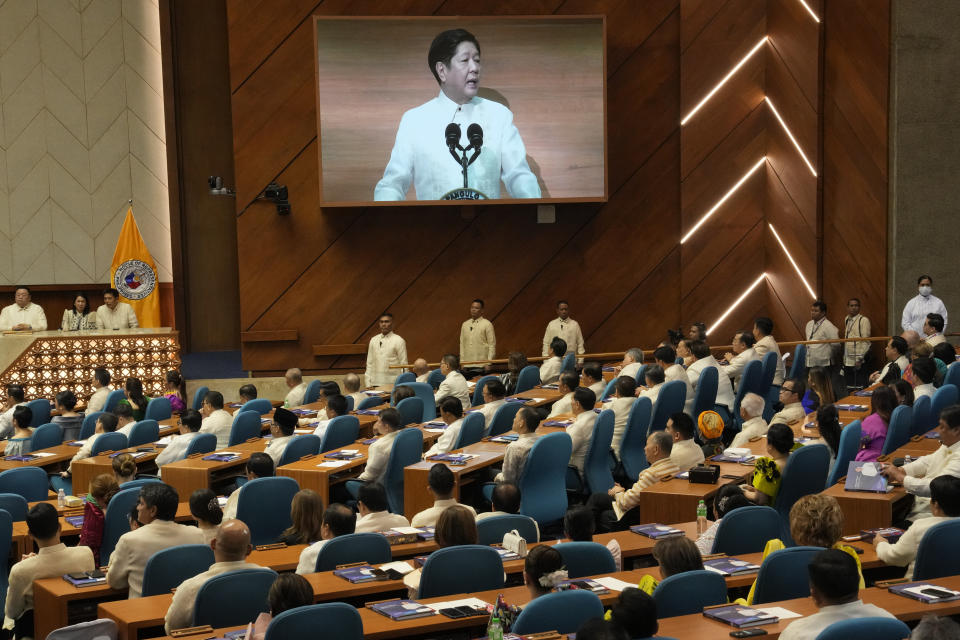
x=916 y=310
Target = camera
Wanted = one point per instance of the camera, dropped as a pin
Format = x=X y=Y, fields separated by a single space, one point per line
x=277 y=194
x=216 y=187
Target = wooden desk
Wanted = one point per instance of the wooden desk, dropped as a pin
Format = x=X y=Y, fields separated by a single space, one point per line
x=916 y=447
x=675 y=500
x=416 y=498
x=190 y=474
x=61 y=454
x=84 y=471
x=864 y=509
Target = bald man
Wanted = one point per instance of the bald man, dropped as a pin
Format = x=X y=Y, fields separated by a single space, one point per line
x=351 y=389
x=912 y=338
x=298 y=388
x=420 y=369
x=230 y=550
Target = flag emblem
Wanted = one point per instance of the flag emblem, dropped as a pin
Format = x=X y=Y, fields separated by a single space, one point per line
x=135 y=279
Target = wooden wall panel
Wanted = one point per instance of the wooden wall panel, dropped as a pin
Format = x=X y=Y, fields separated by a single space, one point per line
x=795 y=37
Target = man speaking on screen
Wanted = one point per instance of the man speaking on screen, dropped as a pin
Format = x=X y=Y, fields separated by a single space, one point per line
x=457 y=137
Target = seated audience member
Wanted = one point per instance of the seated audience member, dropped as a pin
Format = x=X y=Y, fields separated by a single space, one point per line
x=581 y=431
x=904 y=392
x=69 y=420
x=53 y=560
x=516 y=362
x=378 y=455
x=666 y=357
x=124 y=468
x=791 y=392
x=944 y=506
x=834 y=588
x=216 y=419
x=828 y=424
x=743 y=352
x=338 y=520
x=504 y=500
x=205 y=509
x=493 y=398
x=328 y=389
x=653 y=378
x=632 y=361
x=705 y=359
x=454 y=384
x=728 y=498
x=550 y=369
x=675 y=556
x=579 y=525
x=621 y=404
x=231 y=546
x=768 y=471
x=132 y=518
x=288 y=591
x=566 y=384
x=754 y=426
x=933 y=329
x=525 y=424
x=133 y=395
x=15 y=398
x=456 y=526
x=102 y=388
x=19 y=443
x=636 y=612
x=351 y=388
x=600 y=629
x=374 y=510
x=420 y=369
x=685 y=352
x=685 y=453
x=697 y=331
x=924 y=372
x=259 y=465
x=592 y=378
x=113 y=314
x=282 y=427
x=624 y=502
x=190 y=422
x=451 y=412
x=766 y=343
x=336 y=406
x=298 y=388
x=306 y=518
x=175 y=391
x=916 y=475
x=102 y=489
x=943 y=356
x=897 y=361
x=819 y=390
x=106 y=423
x=543 y=570
x=156 y=509
x=873 y=429
x=247 y=392
x=710 y=426
x=402 y=393
x=440 y=483
x=125 y=419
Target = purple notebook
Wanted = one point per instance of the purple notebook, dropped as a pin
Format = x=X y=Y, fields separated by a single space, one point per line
x=76 y=521
x=368 y=412
x=221 y=457
x=517 y=399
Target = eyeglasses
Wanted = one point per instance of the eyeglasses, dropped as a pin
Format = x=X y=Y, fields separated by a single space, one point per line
x=787 y=389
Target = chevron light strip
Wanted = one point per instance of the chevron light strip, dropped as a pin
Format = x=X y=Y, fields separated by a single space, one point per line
x=725 y=197
x=790 y=135
x=792 y=261
x=810 y=11
x=720 y=84
x=736 y=303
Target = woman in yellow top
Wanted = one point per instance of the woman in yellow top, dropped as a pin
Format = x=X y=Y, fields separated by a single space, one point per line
x=768 y=472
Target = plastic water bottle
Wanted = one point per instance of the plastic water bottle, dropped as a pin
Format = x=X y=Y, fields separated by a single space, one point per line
x=61 y=498
x=494 y=630
x=701 y=517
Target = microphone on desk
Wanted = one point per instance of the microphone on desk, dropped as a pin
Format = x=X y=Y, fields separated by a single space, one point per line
x=475 y=136
x=452 y=137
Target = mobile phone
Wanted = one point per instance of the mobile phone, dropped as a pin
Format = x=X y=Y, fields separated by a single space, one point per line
x=78 y=576
x=936 y=593
x=96 y=573
x=747 y=633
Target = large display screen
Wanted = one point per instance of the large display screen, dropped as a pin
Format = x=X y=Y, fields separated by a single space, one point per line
x=428 y=110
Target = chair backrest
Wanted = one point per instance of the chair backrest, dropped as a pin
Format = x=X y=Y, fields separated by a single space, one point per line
x=503 y=417
x=953 y=374
x=246 y=425
x=350 y=403
x=471 y=430
x=847 y=451
x=873 y=628
x=258 y=405
x=341 y=431
x=543 y=487
x=407 y=449
x=201 y=443
x=312 y=393
x=41 y=411
x=478 y=389
x=303 y=445
x=609 y=389
x=783 y=575
x=198 y=397
x=246 y=591
x=411 y=410
x=304 y=622
x=370 y=403
x=461 y=569
x=798 y=367
x=112 y=441
x=45 y=436
x=264 y=504
x=641 y=377
x=435 y=379
x=898 y=431
x=596 y=463
x=569 y=362
x=490 y=530
x=528 y=378
x=937 y=555
x=169 y=567
x=632 y=453
x=100 y=629
x=372 y=548
x=113 y=398
x=689 y=592
x=29 y=482
x=922 y=416
x=15 y=505
x=746 y=530
x=139 y=482
x=673 y=396
x=144 y=432
x=586 y=558
x=158 y=408
x=945 y=396
x=751 y=380
x=89 y=424
x=769 y=362
x=563 y=612
x=805 y=473
x=115 y=522
x=425 y=392
x=406 y=376
x=706 y=394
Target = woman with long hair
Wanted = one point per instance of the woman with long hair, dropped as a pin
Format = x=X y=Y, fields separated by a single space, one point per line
x=133 y=392
x=873 y=429
x=176 y=391
x=102 y=489
x=306 y=516
x=79 y=317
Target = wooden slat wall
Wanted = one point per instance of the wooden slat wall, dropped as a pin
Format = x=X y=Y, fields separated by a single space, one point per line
x=329 y=273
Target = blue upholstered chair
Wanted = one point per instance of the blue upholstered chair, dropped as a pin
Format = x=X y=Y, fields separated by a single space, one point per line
x=746 y=530
x=29 y=482
x=461 y=569
x=113 y=398
x=246 y=425
x=198 y=397
x=528 y=378
x=586 y=558
x=491 y=530
x=563 y=612
x=312 y=393
x=46 y=436
x=848 y=447
x=471 y=430
x=167 y=568
x=898 y=431
x=144 y=432
x=259 y=406
x=112 y=441
x=425 y=392
x=411 y=411
x=321 y=621
x=503 y=417
x=783 y=575
x=673 y=396
x=372 y=548
x=246 y=591
x=632 y=453
x=89 y=424
x=805 y=473
x=874 y=628
x=542 y=482
x=41 y=411
x=158 y=409
x=302 y=445
x=201 y=443
x=341 y=431
x=937 y=555
x=264 y=504
x=478 y=389
x=689 y=592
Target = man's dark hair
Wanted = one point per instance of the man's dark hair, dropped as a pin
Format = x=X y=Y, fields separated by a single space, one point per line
x=391 y=418
x=260 y=464
x=935 y=320
x=682 y=424
x=123 y=410
x=215 y=399
x=654 y=373
x=23 y=416
x=945 y=491
x=780 y=437
x=341 y=520
x=951 y=415
x=385 y=314
x=22 y=286
x=585 y=397
x=820 y=305
x=627 y=386
x=835 y=575
x=43 y=521
x=330 y=388
x=570 y=380
x=440 y=479
x=530 y=417
x=746 y=338
x=495 y=388
x=338 y=404
x=373 y=496
x=944 y=353
x=919 y=280
x=700 y=349
x=666 y=353
x=108 y=420
x=506 y=497
x=593 y=370
x=163 y=497
x=636 y=612
x=925 y=369
x=102 y=376
x=447 y=63
x=798 y=386
x=453 y=405
x=15 y=391
x=558 y=347
x=452 y=360
x=764 y=325
x=192 y=419
x=600 y=629
x=578 y=524
x=110 y=290
x=248 y=391
x=899 y=344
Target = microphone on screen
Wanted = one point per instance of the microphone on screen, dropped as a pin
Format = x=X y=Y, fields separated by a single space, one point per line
x=475 y=136
x=452 y=137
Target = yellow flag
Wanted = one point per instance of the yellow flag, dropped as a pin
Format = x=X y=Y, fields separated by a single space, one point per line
x=134 y=274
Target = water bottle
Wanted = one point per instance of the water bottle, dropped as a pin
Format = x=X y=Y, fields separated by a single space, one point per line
x=494 y=630
x=61 y=498
x=701 y=517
